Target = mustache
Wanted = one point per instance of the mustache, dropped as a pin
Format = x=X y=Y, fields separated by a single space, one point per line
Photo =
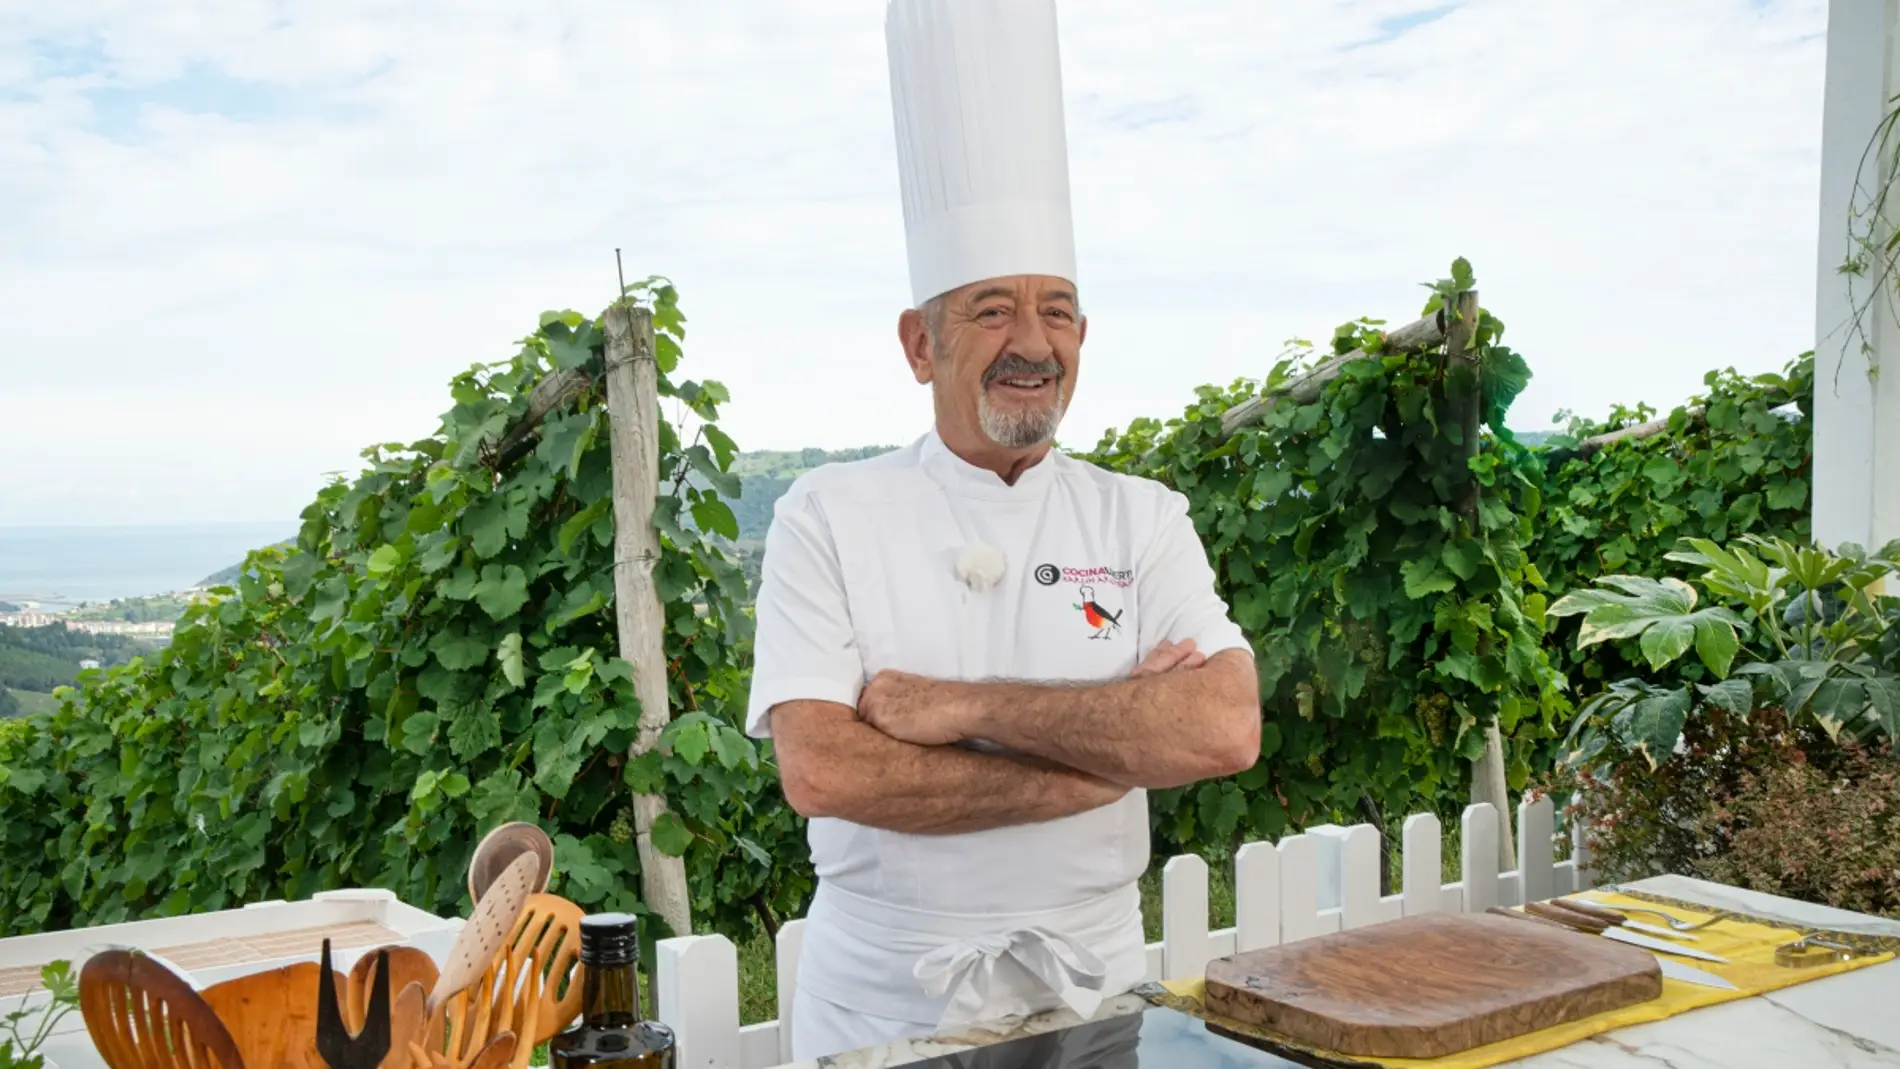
x=1014 y=366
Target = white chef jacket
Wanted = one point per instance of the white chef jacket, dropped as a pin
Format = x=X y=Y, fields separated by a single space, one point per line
x=860 y=576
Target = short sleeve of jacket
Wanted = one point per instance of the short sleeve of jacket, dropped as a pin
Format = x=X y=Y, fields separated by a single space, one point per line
x=804 y=648
x=1175 y=586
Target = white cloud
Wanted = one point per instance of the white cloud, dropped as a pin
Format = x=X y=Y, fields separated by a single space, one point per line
x=244 y=240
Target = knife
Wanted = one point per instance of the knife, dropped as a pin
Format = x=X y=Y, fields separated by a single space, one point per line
x=1675 y=970
x=1596 y=927
x=1576 y=905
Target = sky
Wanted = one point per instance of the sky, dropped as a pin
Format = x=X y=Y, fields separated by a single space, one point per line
x=240 y=241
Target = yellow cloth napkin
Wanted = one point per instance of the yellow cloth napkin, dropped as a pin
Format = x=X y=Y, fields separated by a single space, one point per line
x=1749 y=948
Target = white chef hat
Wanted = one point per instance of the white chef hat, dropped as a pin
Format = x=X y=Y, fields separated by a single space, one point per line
x=982 y=152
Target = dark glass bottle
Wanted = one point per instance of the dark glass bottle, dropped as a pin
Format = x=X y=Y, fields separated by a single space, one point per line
x=610 y=1031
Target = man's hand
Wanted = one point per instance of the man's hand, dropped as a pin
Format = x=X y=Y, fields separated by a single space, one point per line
x=909 y=708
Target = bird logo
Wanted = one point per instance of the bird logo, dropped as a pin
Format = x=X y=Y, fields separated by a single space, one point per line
x=1104 y=622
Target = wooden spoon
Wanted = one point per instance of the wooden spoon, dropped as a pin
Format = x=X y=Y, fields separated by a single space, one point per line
x=407 y=965
x=486 y=932
x=498 y=1053
x=406 y=1020
x=499 y=848
x=271 y=1016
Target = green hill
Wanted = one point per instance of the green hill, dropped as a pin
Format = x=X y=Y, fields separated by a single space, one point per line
x=765 y=475
x=35 y=660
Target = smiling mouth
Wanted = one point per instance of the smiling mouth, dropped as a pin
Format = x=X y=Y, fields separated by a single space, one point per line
x=1023 y=384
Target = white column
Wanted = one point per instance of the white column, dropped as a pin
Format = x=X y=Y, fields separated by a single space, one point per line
x=1857 y=359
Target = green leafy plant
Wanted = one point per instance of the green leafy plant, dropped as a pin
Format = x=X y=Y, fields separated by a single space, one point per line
x=22 y=1051
x=436 y=654
x=1621 y=494
x=1824 y=646
x=1378 y=563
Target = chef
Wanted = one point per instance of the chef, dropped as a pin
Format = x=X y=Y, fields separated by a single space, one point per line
x=975 y=654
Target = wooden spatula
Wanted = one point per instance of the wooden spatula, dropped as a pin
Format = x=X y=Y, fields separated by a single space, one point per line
x=485 y=934
x=499 y=848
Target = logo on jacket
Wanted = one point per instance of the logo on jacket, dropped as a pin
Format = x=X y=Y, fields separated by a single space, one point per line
x=1103 y=622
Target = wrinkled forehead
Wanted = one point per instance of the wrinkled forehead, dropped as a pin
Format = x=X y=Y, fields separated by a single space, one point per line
x=1041 y=289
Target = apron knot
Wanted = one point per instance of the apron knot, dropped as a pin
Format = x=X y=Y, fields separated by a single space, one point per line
x=967 y=969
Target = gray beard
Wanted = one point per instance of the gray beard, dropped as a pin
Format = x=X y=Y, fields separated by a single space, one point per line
x=1020 y=430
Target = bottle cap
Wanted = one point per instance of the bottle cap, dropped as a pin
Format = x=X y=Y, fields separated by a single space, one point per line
x=610 y=939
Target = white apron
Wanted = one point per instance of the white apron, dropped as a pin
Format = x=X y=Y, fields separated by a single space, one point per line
x=969 y=969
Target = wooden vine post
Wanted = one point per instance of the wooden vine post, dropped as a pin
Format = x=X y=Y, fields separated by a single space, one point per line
x=633 y=412
x=1488 y=782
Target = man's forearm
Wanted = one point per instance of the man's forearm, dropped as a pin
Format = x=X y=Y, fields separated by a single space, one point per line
x=1155 y=731
x=833 y=765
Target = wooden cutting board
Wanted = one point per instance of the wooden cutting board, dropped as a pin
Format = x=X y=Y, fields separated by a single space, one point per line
x=1431 y=985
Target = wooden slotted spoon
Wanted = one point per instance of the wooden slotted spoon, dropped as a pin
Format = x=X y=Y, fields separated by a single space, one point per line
x=499 y=849
x=485 y=934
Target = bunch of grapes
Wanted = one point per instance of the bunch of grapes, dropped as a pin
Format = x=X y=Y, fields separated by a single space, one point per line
x=621 y=830
x=1432 y=711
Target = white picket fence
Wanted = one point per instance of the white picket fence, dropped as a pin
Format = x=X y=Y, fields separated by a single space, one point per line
x=1322 y=881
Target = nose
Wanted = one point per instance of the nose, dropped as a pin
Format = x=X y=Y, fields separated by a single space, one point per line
x=1029 y=335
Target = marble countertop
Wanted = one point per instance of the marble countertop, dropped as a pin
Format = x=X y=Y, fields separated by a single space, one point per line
x=1849 y=1019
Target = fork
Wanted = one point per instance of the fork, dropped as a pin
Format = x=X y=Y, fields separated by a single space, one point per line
x=365 y=1049
x=1673 y=922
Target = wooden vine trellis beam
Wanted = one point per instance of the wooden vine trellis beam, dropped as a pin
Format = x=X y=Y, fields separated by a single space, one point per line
x=1305 y=388
x=633 y=414
x=1466 y=397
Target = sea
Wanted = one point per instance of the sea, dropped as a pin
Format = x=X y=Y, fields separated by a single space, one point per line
x=60 y=567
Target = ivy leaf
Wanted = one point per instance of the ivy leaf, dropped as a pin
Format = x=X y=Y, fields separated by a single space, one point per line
x=418 y=733
x=486 y=526
x=502 y=591
x=1423 y=577
x=712 y=514
x=299 y=572
x=753 y=850
x=1788 y=494
x=733 y=749
x=509 y=655
x=690 y=741
x=1502 y=375
x=475 y=730
x=386 y=559
x=584 y=878
x=670 y=835
x=332 y=596
x=1462 y=556
x=458 y=651
x=580 y=522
